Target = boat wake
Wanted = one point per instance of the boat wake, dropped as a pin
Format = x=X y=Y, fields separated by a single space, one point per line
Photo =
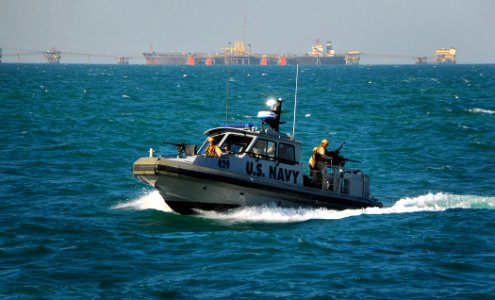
x=265 y=214
x=430 y=202
x=481 y=110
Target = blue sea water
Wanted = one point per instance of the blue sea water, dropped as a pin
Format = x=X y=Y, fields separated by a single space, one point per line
x=76 y=224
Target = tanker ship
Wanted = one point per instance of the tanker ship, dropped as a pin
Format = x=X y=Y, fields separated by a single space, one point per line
x=318 y=56
x=240 y=54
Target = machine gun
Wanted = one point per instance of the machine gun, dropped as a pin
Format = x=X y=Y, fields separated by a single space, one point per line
x=352 y=160
x=336 y=152
x=181 y=148
x=337 y=159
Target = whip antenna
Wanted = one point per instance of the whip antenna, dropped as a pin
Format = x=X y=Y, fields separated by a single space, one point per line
x=295 y=103
x=228 y=89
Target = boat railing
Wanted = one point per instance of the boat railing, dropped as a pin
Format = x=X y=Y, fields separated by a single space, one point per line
x=336 y=179
x=329 y=179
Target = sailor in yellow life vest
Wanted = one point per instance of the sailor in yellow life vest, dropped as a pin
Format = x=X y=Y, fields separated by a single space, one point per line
x=213 y=150
x=319 y=159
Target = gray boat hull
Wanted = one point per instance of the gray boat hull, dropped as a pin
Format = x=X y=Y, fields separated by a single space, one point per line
x=187 y=189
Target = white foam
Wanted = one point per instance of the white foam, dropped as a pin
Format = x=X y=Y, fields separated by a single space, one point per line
x=266 y=214
x=430 y=202
x=151 y=200
x=481 y=110
x=271 y=214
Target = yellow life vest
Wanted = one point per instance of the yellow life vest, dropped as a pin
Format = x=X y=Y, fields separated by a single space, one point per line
x=312 y=159
x=211 y=151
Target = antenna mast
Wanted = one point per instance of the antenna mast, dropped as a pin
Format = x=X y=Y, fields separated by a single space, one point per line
x=295 y=103
x=228 y=89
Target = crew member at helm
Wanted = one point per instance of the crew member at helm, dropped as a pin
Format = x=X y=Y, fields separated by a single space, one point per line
x=213 y=150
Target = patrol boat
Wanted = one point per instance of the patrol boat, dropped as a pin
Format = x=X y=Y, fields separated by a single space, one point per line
x=261 y=167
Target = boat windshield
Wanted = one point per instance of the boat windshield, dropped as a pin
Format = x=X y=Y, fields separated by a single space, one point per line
x=235 y=143
x=229 y=143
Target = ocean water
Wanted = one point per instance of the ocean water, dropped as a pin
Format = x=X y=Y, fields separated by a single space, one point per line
x=74 y=223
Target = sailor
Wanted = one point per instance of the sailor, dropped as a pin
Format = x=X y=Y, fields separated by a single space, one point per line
x=226 y=149
x=258 y=148
x=213 y=150
x=262 y=149
x=318 y=161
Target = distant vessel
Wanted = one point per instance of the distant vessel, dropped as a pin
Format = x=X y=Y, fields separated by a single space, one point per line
x=240 y=54
x=156 y=58
x=319 y=56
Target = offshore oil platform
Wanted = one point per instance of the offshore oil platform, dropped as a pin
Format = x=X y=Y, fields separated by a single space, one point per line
x=53 y=56
x=445 y=56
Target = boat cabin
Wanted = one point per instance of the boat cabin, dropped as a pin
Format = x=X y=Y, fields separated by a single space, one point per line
x=265 y=154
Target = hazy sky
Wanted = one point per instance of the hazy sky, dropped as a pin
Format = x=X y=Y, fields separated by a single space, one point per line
x=130 y=27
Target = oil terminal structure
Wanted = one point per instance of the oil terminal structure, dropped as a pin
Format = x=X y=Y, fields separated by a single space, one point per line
x=240 y=54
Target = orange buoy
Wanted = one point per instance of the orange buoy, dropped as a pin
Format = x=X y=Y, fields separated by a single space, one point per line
x=209 y=61
x=282 y=60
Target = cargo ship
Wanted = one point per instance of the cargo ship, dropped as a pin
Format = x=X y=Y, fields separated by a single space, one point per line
x=240 y=54
x=319 y=56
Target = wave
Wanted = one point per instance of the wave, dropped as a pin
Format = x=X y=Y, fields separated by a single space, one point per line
x=481 y=110
x=430 y=202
